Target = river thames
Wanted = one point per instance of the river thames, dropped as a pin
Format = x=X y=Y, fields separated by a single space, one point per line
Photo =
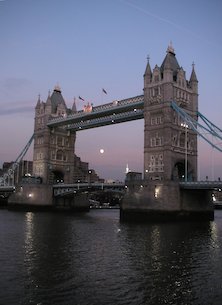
x=92 y=259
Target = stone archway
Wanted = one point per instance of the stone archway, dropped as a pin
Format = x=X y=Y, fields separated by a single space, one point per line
x=57 y=176
x=178 y=172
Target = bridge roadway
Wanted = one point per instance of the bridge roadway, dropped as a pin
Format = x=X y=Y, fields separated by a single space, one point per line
x=201 y=185
x=106 y=114
x=62 y=188
x=66 y=189
x=7 y=188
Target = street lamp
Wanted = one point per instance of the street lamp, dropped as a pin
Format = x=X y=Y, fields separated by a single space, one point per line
x=89 y=172
x=184 y=125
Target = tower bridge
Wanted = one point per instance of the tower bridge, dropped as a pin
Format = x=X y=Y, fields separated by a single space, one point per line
x=169 y=107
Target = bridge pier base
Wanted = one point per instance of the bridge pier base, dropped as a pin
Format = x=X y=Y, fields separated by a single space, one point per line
x=165 y=201
x=75 y=202
x=40 y=197
x=32 y=196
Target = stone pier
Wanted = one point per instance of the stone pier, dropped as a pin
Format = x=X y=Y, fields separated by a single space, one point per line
x=156 y=201
x=40 y=197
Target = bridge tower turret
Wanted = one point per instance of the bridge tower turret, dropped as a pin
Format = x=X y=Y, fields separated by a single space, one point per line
x=170 y=148
x=53 y=157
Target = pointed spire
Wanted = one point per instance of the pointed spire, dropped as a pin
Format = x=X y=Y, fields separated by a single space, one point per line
x=148 y=72
x=193 y=77
x=170 y=48
x=38 y=102
x=74 y=109
x=170 y=65
x=148 y=68
x=57 y=88
x=49 y=102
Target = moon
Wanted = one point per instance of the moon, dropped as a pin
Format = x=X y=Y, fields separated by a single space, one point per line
x=101 y=150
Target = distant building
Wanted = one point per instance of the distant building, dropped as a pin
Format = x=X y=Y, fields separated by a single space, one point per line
x=24 y=168
x=82 y=173
x=133 y=176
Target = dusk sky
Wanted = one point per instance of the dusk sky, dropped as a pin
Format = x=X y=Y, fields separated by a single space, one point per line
x=87 y=45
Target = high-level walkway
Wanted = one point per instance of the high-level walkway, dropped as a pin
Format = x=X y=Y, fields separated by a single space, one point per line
x=116 y=112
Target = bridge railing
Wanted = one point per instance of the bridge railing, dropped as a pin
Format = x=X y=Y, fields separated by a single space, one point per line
x=201 y=184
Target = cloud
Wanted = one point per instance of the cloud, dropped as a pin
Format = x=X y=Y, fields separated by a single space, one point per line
x=15 y=84
x=15 y=96
x=16 y=110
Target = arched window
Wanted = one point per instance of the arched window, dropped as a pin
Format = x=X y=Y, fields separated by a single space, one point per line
x=59 y=155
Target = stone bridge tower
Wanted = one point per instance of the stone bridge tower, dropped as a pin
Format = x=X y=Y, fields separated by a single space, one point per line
x=170 y=148
x=53 y=157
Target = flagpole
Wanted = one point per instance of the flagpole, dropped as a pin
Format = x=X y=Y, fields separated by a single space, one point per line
x=103 y=92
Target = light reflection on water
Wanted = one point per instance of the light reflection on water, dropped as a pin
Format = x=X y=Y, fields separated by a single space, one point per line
x=49 y=258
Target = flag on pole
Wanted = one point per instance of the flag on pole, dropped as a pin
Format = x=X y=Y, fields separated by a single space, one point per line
x=104 y=91
x=81 y=98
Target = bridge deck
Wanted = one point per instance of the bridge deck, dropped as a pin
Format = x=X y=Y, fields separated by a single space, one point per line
x=207 y=185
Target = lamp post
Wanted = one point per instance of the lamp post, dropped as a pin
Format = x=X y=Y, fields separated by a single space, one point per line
x=186 y=127
x=89 y=172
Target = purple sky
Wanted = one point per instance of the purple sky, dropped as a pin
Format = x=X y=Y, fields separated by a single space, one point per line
x=88 y=45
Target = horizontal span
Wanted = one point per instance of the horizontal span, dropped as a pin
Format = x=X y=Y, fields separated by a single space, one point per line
x=107 y=120
x=114 y=108
x=207 y=185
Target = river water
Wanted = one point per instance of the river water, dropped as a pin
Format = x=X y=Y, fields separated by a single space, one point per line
x=92 y=259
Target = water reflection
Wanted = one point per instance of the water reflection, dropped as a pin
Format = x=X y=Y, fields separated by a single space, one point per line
x=94 y=259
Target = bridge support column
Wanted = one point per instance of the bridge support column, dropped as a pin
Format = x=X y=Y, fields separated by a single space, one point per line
x=166 y=201
x=75 y=202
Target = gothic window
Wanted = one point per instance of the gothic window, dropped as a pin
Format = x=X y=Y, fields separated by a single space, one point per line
x=156 y=163
x=53 y=154
x=156 y=78
x=158 y=141
x=159 y=120
x=59 y=141
x=155 y=91
x=59 y=155
x=52 y=140
x=156 y=120
x=152 y=142
x=64 y=157
x=66 y=142
x=40 y=140
x=150 y=93
x=39 y=155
